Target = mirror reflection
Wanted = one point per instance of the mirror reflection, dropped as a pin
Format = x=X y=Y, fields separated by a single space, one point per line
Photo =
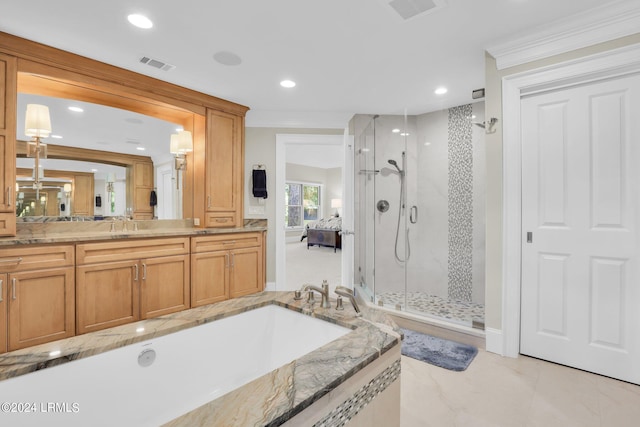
x=88 y=150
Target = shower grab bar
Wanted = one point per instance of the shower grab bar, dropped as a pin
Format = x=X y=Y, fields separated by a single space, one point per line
x=373 y=171
x=413 y=214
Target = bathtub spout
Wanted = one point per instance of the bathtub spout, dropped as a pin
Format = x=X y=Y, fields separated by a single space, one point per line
x=346 y=292
x=324 y=292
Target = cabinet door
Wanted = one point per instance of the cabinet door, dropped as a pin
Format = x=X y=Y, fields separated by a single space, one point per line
x=165 y=286
x=143 y=184
x=83 y=192
x=107 y=295
x=209 y=277
x=41 y=306
x=3 y=313
x=246 y=272
x=8 y=93
x=223 y=170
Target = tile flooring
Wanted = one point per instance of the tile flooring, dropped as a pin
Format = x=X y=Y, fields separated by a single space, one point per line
x=421 y=302
x=500 y=391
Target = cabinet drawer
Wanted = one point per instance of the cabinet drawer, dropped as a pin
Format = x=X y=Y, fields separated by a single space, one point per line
x=223 y=219
x=90 y=253
x=35 y=257
x=8 y=224
x=225 y=241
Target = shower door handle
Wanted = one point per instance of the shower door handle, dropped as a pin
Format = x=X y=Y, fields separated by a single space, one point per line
x=413 y=214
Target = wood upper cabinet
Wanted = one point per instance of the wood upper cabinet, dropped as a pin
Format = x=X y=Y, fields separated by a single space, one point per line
x=83 y=192
x=8 y=100
x=38 y=299
x=226 y=266
x=140 y=183
x=125 y=281
x=224 y=157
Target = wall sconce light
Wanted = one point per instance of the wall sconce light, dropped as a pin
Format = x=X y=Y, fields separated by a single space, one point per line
x=336 y=203
x=37 y=124
x=181 y=143
x=110 y=180
x=67 y=190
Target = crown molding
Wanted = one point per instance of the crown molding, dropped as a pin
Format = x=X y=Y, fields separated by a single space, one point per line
x=597 y=25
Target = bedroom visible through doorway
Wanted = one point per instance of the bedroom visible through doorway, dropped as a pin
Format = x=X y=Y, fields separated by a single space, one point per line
x=312 y=197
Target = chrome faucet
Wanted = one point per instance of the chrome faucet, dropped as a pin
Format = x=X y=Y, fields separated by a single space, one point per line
x=346 y=292
x=324 y=292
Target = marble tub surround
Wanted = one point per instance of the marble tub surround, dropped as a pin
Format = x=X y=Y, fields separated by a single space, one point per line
x=269 y=400
x=70 y=232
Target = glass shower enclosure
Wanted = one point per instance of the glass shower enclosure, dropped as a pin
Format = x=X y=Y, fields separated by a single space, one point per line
x=419 y=213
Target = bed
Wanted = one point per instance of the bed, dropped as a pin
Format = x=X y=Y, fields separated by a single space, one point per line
x=324 y=232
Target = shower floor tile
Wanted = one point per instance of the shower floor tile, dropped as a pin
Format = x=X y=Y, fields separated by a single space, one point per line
x=459 y=311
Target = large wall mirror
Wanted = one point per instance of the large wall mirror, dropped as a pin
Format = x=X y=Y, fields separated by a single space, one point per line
x=92 y=153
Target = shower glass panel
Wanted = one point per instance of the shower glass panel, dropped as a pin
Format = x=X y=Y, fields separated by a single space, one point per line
x=419 y=192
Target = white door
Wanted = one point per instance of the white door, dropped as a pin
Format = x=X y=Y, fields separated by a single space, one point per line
x=580 y=296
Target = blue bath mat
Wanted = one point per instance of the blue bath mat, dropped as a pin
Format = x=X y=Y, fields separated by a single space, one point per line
x=437 y=351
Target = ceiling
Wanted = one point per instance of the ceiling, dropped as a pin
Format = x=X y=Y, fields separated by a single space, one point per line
x=347 y=57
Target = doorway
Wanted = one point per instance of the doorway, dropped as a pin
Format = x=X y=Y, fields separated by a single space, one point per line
x=290 y=147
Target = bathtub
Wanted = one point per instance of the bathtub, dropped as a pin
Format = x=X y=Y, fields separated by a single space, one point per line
x=155 y=381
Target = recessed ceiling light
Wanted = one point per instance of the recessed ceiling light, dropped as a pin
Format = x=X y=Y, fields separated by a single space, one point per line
x=227 y=58
x=76 y=109
x=404 y=134
x=441 y=91
x=94 y=170
x=140 y=21
x=287 y=83
x=396 y=131
x=56 y=136
x=140 y=148
x=426 y=144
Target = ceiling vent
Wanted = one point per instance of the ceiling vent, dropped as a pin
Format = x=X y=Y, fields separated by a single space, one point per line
x=409 y=8
x=156 y=63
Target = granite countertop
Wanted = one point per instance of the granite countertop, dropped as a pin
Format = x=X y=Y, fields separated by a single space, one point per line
x=90 y=231
x=272 y=398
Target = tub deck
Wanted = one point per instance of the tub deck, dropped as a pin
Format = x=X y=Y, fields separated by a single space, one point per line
x=271 y=399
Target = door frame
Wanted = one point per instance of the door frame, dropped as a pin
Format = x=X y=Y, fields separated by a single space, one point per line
x=282 y=140
x=613 y=63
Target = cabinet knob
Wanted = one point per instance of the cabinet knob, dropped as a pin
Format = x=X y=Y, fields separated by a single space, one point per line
x=136 y=271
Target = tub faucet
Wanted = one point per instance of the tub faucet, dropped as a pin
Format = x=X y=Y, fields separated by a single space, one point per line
x=324 y=292
x=346 y=292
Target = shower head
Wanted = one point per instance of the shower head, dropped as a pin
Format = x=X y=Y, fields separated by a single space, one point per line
x=394 y=163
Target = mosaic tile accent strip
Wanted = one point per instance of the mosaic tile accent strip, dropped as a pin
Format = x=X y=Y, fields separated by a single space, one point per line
x=431 y=305
x=350 y=407
x=460 y=264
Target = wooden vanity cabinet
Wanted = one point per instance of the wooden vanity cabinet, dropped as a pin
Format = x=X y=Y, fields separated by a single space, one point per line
x=8 y=98
x=124 y=281
x=3 y=313
x=38 y=295
x=224 y=157
x=226 y=266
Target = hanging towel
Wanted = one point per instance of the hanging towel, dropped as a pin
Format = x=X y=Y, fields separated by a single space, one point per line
x=98 y=201
x=260 y=183
x=153 y=198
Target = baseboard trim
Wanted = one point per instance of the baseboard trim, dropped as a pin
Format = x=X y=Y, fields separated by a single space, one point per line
x=494 y=341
